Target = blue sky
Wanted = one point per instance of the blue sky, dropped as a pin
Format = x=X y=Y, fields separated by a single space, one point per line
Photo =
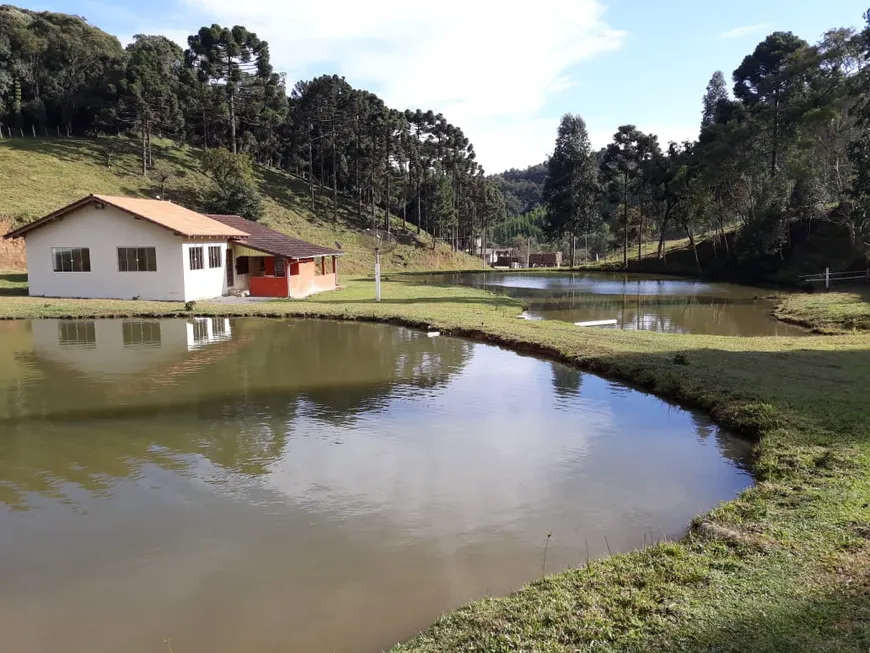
x=503 y=71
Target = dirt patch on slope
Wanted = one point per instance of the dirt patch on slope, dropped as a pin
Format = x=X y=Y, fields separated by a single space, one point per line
x=12 y=256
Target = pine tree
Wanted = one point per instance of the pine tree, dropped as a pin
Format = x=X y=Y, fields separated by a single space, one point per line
x=717 y=93
x=571 y=189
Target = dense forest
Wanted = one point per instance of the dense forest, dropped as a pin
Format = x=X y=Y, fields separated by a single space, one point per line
x=523 y=192
x=60 y=76
x=782 y=149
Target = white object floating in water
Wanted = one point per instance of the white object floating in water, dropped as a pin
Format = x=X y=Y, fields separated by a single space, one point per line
x=526 y=316
x=597 y=323
x=433 y=334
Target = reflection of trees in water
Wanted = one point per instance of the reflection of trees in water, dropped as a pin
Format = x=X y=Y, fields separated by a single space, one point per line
x=567 y=381
x=730 y=446
x=233 y=405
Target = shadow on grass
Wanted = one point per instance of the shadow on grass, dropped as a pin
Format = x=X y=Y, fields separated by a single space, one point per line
x=838 y=620
x=13 y=284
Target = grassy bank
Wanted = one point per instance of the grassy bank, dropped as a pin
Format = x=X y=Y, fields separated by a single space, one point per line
x=784 y=567
x=38 y=176
x=828 y=312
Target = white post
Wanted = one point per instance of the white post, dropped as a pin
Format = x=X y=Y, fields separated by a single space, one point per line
x=827 y=277
x=377 y=275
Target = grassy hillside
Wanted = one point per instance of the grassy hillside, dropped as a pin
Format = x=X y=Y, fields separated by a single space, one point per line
x=40 y=175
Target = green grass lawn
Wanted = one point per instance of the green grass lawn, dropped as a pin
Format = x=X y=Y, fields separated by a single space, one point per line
x=41 y=175
x=784 y=567
x=13 y=284
x=828 y=312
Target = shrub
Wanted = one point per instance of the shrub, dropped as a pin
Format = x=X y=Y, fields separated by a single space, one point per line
x=235 y=197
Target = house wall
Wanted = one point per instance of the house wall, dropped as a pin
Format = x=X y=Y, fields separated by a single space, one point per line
x=208 y=282
x=305 y=281
x=102 y=231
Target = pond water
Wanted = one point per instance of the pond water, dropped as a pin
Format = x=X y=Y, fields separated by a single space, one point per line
x=255 y=485
x=667 y=304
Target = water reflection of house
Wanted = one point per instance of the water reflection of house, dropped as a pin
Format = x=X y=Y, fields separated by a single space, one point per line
x=124 y=347
x=202 y=331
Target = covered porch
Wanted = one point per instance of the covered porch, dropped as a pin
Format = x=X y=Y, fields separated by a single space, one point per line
x=265 y=274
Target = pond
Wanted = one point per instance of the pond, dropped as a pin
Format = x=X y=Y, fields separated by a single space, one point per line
x=256 y=485
x=636 y=301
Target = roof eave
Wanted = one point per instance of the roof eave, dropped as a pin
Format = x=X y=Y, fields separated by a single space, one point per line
x=51 y=217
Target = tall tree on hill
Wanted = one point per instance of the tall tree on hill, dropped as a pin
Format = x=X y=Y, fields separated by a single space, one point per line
x=620 y=169
x=768 y=81
x=571 y=189
x=149 y=91
x=716 y=94
x=223 y=56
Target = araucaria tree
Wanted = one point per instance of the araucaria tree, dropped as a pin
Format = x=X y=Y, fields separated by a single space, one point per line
x=571 y=189
x=227 y=56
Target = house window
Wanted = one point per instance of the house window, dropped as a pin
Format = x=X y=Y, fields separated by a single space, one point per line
x=71 y=259
x=137 y=259
x=215 y=260
x=196 y=258
x=77 y=333
x=141 y=333
x=279 y=267
x=242 y=265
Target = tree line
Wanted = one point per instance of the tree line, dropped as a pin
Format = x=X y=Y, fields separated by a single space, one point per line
x=222 y=93
x=786 y=145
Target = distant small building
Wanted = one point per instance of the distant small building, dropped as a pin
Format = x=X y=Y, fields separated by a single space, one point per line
x=505 y=258
x=125 y=248
x=545 y=260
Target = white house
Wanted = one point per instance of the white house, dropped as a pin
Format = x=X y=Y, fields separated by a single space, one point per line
x=123 y=248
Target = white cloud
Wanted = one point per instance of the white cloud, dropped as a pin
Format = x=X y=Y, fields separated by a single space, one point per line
x=745 y=30
x=489 y=67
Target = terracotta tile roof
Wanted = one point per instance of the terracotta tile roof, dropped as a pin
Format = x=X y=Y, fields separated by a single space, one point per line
x=274 y=242
x=165 y=214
